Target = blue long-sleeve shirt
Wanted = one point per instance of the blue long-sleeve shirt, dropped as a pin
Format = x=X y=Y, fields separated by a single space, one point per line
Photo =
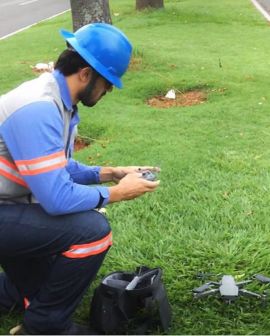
x=39 y=157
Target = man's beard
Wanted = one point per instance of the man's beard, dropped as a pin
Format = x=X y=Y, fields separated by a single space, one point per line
x=86 y=95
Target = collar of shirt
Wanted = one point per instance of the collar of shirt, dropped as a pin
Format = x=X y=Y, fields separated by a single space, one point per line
x=64 y=91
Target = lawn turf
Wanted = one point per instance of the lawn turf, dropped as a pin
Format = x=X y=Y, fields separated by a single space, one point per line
x=211 y=211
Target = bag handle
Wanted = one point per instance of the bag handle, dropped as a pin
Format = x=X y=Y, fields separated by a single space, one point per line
x=139 y=278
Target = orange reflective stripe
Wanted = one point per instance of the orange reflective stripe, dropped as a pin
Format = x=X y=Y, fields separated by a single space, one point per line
x=42 y=164
x=43 y=170
x=26 y=303
x=86 y=250
x=13 y=178
x=40 y=159
x=10 y=171
x=7 y=163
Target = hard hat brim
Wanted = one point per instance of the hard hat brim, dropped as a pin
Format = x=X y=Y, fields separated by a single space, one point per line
x=103 y=71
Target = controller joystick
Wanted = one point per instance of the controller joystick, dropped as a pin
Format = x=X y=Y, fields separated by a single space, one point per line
x=149 y=176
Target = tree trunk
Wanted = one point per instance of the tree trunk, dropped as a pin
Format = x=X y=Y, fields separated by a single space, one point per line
x=142 y=4
x=89 y=11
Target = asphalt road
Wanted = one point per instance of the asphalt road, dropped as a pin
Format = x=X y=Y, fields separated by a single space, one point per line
x=265 y=4
x=18 y=14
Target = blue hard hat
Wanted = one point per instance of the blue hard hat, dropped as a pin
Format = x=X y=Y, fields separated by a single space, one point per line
x=104 y=47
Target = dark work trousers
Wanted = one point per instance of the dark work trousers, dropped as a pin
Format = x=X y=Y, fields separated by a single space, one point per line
x=49 y=262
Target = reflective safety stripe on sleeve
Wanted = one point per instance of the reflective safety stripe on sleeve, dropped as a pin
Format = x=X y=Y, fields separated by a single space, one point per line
x=42 y=164
x=26 y=303
x=10 y=171
x=87 y=250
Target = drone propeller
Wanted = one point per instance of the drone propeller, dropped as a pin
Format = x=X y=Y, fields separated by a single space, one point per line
x=262 y=278
x=203 y=275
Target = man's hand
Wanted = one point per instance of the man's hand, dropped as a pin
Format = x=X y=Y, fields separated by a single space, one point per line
x=115 y=174
x=131 y=186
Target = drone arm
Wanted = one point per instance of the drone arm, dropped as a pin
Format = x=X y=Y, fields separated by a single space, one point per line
x=202 y=288
x=242 y=283
x=245 y=292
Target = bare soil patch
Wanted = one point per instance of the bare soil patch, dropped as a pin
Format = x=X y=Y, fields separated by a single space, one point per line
x=80 y=143
x=187 y=98
x=135 y=63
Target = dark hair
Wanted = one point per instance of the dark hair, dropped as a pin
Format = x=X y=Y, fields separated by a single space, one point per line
x=69 y=62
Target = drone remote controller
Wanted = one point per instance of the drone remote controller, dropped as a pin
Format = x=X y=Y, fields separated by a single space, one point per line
x=149 y=176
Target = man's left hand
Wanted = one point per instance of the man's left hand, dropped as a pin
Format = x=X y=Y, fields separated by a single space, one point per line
x=115 y=174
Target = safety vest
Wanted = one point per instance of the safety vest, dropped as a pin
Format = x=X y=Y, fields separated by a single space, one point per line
x=13 y=189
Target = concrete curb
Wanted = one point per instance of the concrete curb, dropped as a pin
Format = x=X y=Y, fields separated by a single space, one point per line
x=261 y=9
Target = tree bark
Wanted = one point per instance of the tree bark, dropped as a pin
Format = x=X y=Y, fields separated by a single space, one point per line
x=143 y=4
x=89 y=11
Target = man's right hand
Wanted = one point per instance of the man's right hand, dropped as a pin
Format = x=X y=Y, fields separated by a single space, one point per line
x=130 y=187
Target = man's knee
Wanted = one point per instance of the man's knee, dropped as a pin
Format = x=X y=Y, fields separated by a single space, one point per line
x=93 y=235
x=99 y=225
x=90 y=225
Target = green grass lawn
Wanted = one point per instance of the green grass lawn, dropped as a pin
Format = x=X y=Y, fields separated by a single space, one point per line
x=211 y=212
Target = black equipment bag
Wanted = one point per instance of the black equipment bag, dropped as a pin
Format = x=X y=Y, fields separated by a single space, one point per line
x=130 y=302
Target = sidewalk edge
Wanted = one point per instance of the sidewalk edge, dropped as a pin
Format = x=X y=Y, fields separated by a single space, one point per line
x=261 y=9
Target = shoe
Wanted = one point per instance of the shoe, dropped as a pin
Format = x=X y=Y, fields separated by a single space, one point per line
x=75 y=329
x=18 y=330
